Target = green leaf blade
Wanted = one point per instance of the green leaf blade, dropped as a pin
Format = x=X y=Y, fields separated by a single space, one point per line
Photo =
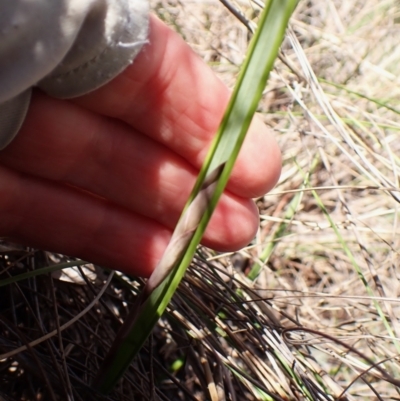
x=224 y=150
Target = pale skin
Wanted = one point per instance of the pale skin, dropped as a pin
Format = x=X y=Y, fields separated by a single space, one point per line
x=104 y=177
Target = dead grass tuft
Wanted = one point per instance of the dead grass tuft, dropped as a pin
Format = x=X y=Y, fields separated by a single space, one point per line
x=319 y=320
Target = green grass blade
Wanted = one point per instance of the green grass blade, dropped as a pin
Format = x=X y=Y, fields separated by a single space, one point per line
x=219 y=163
x=380 y=103
x=282 y=228
x=43 y=270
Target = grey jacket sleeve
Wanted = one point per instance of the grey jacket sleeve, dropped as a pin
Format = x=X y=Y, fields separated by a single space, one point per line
x=65 y=47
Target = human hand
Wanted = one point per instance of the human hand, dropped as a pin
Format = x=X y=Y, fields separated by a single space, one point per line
x=104 y=177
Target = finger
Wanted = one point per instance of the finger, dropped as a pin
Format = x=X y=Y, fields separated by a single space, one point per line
x=172 y=96
x=61 y=219
x=62 y=142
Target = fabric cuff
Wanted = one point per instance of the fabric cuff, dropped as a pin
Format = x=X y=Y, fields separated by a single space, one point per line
x=67 y=48
x=12 y=115
x=108 y=41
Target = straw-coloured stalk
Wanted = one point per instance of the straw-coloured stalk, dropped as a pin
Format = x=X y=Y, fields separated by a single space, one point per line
x=210 y=184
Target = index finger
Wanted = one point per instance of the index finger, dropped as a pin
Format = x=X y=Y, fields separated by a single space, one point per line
x=172 y=96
